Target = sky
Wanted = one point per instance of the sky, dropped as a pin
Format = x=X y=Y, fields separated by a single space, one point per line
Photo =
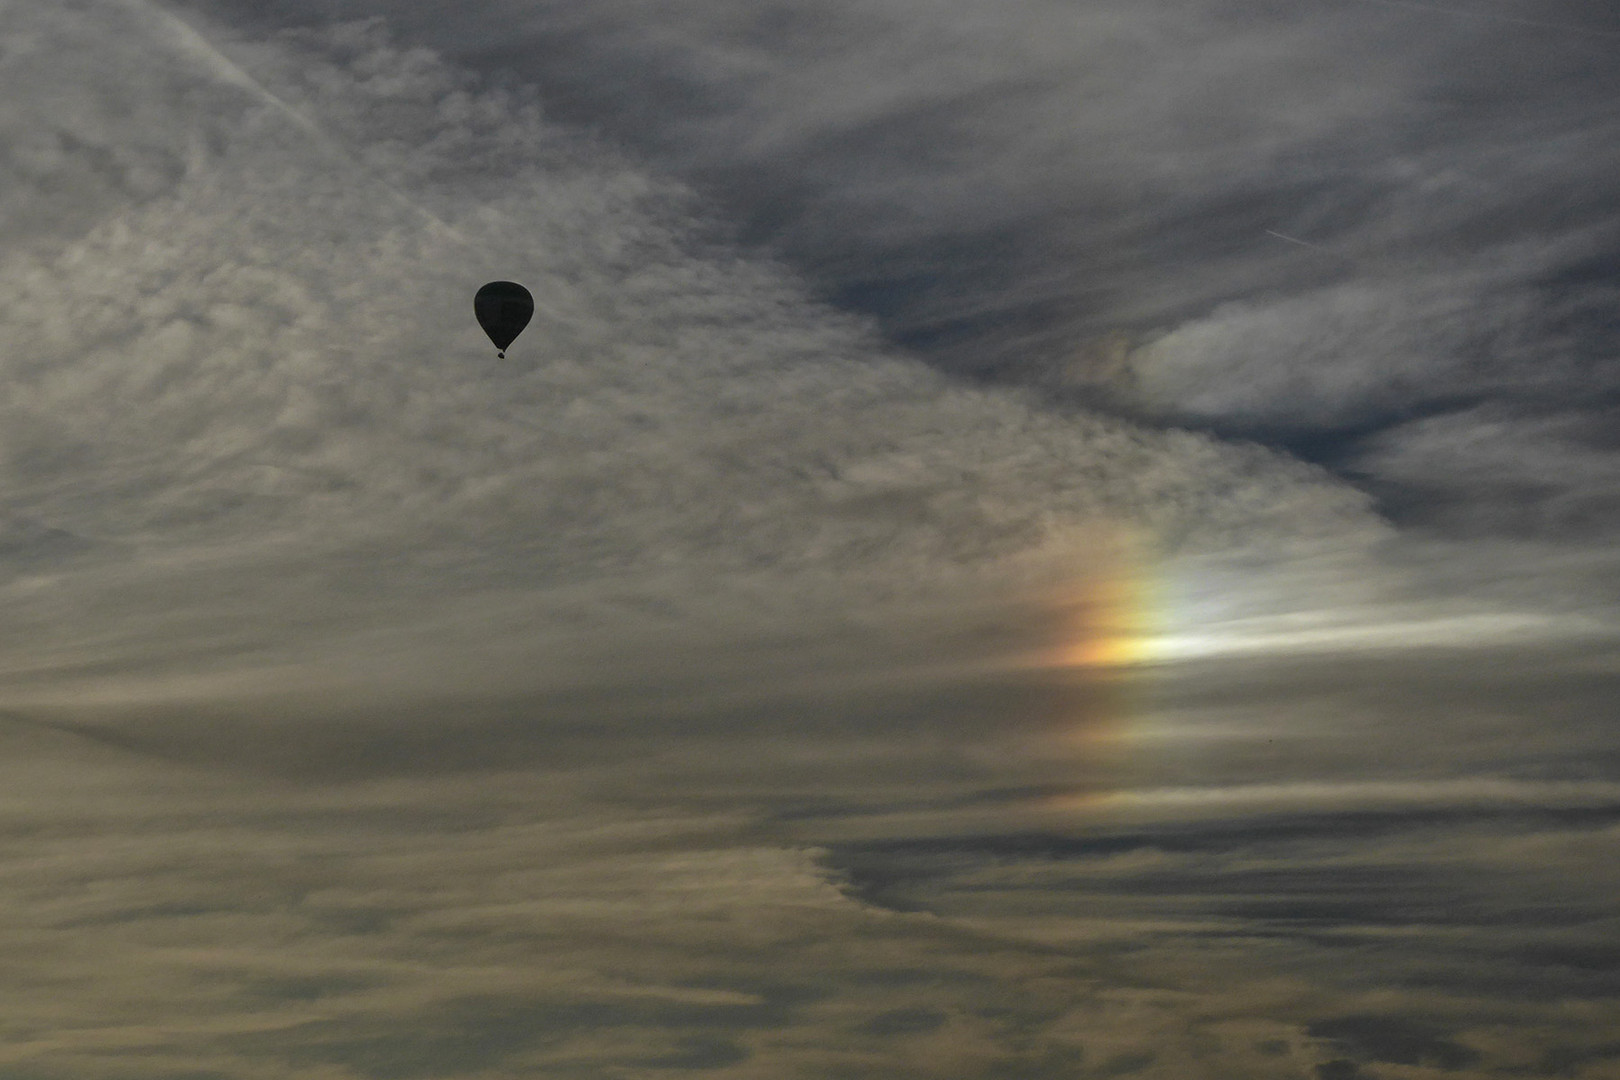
x=1026 y=540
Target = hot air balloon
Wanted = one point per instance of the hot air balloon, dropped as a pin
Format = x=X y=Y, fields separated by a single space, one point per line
x=503 y=309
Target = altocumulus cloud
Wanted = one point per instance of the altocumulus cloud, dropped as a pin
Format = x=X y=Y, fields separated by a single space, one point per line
x=1314 y=223
x=245 y=400
x=678 y=695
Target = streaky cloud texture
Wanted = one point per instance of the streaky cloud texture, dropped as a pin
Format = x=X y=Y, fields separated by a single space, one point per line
x=944 y=587
x=1309 y=223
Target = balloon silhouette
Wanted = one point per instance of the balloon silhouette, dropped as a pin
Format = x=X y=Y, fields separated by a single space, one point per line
x=503 y=309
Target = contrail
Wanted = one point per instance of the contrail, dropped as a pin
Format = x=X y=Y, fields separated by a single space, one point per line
x=203 y=50
x=1492 y=17
x=1303 y=243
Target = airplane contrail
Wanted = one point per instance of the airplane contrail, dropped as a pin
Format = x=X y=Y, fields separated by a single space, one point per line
x=1303 y=243
x=203 y=50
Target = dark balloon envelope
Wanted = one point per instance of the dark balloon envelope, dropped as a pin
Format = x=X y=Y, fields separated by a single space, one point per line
x=503 y=309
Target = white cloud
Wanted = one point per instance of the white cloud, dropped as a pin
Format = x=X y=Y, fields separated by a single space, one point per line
x=1345 y=354
x=1487 y=471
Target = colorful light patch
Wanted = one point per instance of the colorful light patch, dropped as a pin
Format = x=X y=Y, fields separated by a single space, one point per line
x=1116 y=620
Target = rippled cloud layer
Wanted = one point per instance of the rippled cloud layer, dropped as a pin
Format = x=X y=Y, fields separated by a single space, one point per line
x=961 y=577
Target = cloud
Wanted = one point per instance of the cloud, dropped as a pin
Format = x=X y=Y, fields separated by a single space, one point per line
x=1023 y=191
x=1342 y=355
x=1488 y=471
x=170 y=921
x=254 y=389
x=1396 y=1040
x=681 y=695
x=971 y=169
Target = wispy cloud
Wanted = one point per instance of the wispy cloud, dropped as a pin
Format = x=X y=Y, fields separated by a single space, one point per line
x=718 y=686
x=253 y=405
x=1021 y=191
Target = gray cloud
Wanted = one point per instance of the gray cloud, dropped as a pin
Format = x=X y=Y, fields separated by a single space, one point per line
x=716 y=686
x=256 y=390
x=1021 y=191
x=535 y=922
x=1490 y=471
x=531 y=922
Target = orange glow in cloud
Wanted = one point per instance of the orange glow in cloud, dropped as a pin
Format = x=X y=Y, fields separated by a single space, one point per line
x=1107 y=630
x=1113 y=623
